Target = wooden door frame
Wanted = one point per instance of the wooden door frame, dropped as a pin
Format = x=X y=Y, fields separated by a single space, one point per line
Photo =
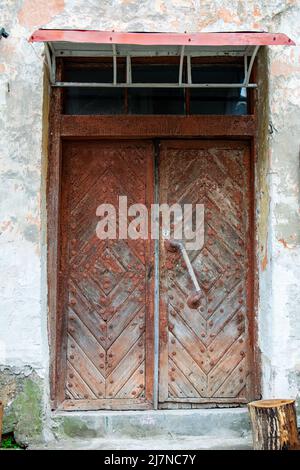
x=63 y=127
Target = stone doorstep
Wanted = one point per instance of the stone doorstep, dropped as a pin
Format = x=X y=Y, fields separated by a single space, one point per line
x=223 y=423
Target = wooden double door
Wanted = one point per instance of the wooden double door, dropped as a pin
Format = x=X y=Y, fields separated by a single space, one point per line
x=129 y=339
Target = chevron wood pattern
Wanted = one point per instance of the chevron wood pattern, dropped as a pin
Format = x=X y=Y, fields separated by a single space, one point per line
x=206 y=353
x=107 y=286
x=109 y=357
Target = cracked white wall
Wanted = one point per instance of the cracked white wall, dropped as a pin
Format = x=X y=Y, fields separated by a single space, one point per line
x=23 y=287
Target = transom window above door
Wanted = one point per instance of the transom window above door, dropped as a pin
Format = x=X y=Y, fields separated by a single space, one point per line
x=161 y=93
x=131 y=73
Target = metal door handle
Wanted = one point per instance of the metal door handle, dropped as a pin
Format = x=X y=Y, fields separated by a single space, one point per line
x=194 y=298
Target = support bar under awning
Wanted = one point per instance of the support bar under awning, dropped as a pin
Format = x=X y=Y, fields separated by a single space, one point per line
x=83 y=43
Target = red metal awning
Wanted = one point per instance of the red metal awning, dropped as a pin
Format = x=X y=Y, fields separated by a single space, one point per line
x=162 y=39
x=78 y=43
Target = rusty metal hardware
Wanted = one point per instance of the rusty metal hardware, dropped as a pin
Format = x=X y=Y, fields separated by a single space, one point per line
x=193 y=300
x=3 y=33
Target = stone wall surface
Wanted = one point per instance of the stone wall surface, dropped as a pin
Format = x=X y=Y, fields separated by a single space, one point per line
x=23 y=161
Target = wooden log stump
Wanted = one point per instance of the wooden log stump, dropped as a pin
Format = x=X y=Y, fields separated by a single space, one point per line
x=274 y=424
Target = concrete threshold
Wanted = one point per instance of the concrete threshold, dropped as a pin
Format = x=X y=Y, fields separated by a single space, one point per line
x=225 y=423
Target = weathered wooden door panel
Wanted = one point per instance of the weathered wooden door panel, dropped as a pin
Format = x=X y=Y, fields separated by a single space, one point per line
x=205 y=354
x=106 y=286
x=106 y=289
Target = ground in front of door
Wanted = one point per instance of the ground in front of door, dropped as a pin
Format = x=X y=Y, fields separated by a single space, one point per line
x=158 y=443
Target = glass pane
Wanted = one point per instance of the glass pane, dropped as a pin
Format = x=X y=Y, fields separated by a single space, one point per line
x=155 y=100
x=105 y=100
x=218 y=100
x=80 y=100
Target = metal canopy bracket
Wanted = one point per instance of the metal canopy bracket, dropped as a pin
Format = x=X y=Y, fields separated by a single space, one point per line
x=70 y=43
x=248 y=70
x=51 y=62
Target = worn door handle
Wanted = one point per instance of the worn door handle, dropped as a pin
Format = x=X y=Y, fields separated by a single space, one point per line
x=194 y=298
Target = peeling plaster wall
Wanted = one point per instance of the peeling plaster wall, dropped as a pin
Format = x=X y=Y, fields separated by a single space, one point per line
x=23 y=160
x=278 y=223
x=284 y=237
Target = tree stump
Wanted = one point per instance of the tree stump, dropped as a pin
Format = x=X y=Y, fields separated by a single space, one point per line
x=274 y=424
